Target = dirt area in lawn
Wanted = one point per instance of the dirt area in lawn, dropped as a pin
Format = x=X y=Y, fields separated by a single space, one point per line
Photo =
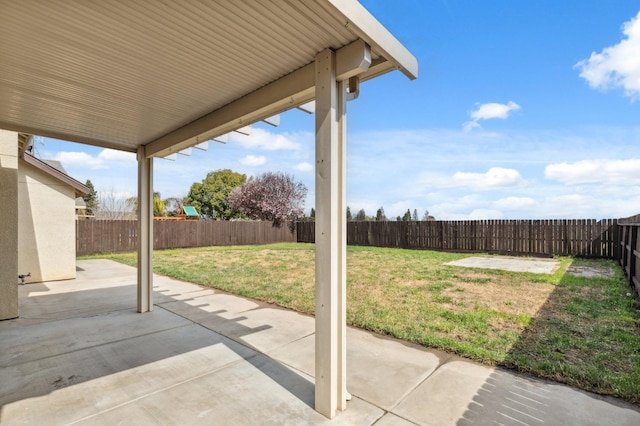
x=591 y=271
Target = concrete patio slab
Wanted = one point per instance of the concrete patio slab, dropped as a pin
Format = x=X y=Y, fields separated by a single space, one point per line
x=49 y=339
x=176 y=366
x=90 y=297
x=390 y=419
x=210 y=306
x=463 y=393
x=257 y=325
x=379 y=370
x=80 y=383
x=243 y=394
x=453 y=386
x=505 y=263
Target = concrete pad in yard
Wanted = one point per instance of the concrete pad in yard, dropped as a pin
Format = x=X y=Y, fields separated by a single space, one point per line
x=256 y=391
x=514 y=264
x=463 y=393
x=85 y=382
x=379 y=370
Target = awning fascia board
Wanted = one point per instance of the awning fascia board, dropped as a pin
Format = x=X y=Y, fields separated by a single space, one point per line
x=362 y=23
x=285 y=93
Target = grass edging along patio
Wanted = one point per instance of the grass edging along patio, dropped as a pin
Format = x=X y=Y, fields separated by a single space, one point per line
x=583 y=331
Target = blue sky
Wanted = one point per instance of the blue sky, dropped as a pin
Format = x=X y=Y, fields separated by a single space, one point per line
x=522 y=110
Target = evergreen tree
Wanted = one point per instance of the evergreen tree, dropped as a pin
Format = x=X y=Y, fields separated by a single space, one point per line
x=407 y=216
x=380 y=216
x=361 y=215
x=415 y=215
x=91 y=199
x=312 y=214
x=349 y=217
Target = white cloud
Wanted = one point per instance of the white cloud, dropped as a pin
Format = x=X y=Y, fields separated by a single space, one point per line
x=515 y=203
x=115 y=155
x=81 y=159
x=617 y=65
x=303 y=167
x=571 y=206
x=483 y=214
x=265 y=140
x=253 y=160
x=490 y=111
x=71 y=159
x=595 y=171
x=494 y=178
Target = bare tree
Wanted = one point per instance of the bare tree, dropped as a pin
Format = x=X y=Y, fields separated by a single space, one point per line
x=114 y=206
x=270 y=196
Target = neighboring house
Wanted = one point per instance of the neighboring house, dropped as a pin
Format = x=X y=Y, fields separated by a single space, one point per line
x=47 y=216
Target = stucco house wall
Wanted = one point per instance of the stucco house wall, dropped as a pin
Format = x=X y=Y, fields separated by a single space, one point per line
x=46 y=225
x=9 y=227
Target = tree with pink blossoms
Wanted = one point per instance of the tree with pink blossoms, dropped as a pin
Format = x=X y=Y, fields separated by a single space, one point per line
x=270 y=196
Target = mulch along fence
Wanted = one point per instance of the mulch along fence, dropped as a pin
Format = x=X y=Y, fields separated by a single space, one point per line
x=584 y=237
x=630 y=249
x=114 y=236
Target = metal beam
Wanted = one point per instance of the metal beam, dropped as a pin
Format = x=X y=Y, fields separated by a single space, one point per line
x=274 y=120
x=145 y=231
x=330 y=344
x=353 y=59
x=290 y=91
x=341 y=255
x=309 y=107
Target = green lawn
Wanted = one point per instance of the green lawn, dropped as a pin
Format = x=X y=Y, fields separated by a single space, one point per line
x=581 y=331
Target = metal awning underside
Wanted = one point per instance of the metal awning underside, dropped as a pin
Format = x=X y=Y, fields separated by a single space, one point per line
x=122 y=74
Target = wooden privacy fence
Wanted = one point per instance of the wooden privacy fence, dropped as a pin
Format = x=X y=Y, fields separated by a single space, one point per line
x=112 y=236
x=630 y=250
x=584 y=237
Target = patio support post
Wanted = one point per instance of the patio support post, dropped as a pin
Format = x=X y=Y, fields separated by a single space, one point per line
x=330 y=342
x=145 y=231
x=9 y=229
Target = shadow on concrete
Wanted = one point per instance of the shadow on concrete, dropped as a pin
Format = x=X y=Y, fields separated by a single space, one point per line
x=78 y=335
x=523 y=400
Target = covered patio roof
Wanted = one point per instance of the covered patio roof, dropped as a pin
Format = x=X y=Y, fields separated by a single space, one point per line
x=156 y=77
x=169 y=75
